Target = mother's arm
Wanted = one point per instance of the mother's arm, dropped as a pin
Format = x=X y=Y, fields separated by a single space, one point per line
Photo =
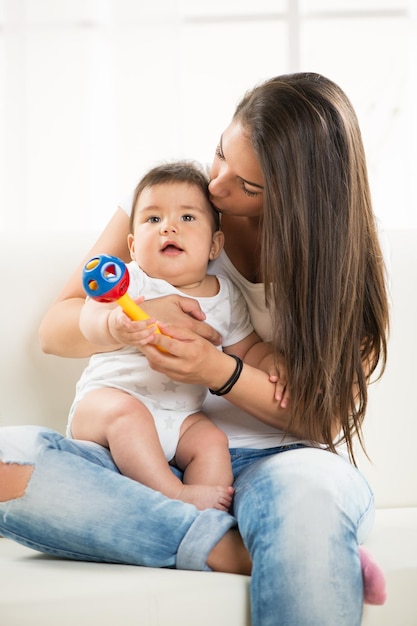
x=191 y=359
x=59 y=332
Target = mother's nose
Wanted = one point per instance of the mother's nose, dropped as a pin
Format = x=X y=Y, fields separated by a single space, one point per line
x=217 y=186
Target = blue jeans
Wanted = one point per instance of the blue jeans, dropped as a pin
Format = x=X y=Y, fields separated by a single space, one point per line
x=301 y=512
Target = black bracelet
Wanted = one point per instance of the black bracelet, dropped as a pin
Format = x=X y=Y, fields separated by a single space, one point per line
x=232 y=380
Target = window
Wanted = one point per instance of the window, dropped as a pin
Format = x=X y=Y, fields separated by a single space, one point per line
x=94 y=92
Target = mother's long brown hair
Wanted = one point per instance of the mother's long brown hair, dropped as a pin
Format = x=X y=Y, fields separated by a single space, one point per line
x=321 y=259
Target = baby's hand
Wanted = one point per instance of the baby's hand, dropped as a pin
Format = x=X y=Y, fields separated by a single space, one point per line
x=128 y=332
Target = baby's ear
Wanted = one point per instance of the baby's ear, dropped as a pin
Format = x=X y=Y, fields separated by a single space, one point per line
x=131 y=245
x=217 y=244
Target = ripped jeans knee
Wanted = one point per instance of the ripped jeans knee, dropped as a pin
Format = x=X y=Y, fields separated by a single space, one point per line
x=14 y=479
x=20 y=447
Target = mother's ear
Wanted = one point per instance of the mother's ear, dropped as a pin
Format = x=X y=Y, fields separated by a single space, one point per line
x=217 y=244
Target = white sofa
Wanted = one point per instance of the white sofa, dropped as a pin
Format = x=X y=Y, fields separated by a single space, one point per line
x=37 y=389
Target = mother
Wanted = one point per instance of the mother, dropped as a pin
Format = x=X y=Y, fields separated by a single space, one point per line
x=290 y=180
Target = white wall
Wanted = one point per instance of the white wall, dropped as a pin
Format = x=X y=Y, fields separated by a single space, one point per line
x=92 y=92
x=390 y=427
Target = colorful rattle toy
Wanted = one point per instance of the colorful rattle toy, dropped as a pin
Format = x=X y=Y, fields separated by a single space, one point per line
x=106 y=279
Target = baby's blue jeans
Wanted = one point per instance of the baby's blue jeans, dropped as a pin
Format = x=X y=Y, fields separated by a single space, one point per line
x=301 y=512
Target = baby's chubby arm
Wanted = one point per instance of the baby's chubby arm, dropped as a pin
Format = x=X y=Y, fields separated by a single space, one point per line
x=260 y=354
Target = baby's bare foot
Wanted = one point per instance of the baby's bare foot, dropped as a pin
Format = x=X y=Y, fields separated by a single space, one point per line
x=207 y=496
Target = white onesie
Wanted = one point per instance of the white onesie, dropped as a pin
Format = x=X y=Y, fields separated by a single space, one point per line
x=127 y=369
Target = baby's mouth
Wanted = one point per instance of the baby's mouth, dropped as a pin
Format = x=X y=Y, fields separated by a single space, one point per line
x=170 y=248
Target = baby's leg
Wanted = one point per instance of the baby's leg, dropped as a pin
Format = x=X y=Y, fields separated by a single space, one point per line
x=203 y=454
x=123 y=424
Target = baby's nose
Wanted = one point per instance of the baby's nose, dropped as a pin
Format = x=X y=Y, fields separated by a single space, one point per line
x=168 y=227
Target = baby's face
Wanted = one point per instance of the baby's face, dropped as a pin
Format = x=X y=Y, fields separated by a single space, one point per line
x=173 y=233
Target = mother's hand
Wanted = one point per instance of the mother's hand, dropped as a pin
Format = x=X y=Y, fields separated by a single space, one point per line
x=184 y=313
x=189 y=358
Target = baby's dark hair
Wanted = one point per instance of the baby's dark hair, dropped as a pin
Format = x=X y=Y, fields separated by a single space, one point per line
x=189 y=172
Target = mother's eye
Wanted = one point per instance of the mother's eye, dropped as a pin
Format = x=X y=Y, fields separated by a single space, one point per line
x=248 y=192
x=219 y=153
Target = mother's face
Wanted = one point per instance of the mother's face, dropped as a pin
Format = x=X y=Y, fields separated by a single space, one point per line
x=236 y=185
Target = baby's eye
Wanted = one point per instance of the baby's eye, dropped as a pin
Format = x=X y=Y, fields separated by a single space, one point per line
x=188 y=218
x=153 y=219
